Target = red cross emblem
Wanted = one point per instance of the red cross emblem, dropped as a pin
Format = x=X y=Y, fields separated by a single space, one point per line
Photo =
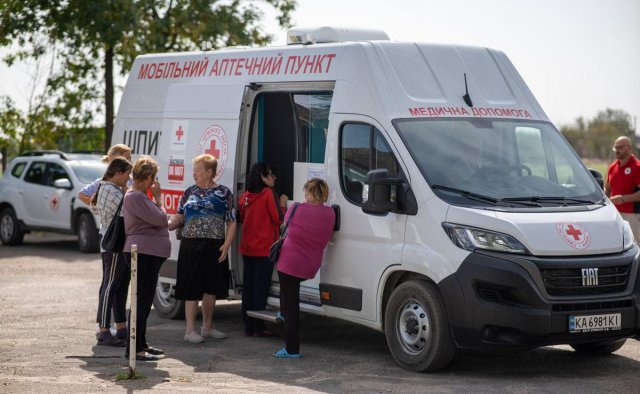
x=574 y=234
x=212 y=149
x=54 y=202
x=179 y=133
x=214 y=142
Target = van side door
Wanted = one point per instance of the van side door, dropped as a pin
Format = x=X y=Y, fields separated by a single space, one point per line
x=366 y=244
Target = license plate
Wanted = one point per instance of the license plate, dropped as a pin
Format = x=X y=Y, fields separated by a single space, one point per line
x=590 y=323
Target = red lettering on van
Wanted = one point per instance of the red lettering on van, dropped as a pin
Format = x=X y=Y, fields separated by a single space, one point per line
x=170 y=200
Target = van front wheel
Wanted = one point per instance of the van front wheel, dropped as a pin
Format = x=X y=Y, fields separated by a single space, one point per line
x=417 y=329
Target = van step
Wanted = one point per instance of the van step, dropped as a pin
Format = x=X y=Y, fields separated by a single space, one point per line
x=271 y=316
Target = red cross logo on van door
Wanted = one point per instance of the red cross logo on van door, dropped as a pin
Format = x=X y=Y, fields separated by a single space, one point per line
x=179 y=133
x=574 y=234
x=212 y=149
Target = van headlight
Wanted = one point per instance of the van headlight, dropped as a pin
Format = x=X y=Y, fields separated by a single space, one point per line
x=627 y=236
x=471 y=238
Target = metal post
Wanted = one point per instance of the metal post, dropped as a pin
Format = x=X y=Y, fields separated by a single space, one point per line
x=134 y=311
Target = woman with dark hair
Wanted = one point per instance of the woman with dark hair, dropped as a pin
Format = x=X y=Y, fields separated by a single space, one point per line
x=261 y=214
x=115 y=271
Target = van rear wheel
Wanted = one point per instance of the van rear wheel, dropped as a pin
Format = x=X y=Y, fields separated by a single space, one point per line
x=417 y=329
x=599 y=348
x=165 y=304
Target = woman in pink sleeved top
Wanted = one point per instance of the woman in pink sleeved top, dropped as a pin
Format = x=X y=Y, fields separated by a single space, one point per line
x=310 y=229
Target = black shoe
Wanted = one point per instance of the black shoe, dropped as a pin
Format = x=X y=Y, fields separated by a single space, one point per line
x=148 y=357
x=154 y=351
x=110 y=341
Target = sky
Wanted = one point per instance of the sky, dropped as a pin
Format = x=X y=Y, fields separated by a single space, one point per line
x=578 y=57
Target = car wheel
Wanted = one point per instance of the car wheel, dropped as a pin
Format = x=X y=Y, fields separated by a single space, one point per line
x=10 y=232
x=165 y=304
x=417 y=329
x=600 y=347
x=87 y=233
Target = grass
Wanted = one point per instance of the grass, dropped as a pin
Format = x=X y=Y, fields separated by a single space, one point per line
x=597 y=164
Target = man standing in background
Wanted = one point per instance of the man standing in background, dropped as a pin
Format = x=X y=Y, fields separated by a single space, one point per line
x=623 y=182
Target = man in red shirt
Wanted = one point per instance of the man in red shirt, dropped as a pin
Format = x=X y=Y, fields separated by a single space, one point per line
x=623 y=181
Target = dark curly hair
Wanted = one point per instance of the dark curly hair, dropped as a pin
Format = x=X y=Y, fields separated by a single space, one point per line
x=255 y=184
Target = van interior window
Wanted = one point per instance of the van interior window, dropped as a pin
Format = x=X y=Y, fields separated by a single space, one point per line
x=289 y=127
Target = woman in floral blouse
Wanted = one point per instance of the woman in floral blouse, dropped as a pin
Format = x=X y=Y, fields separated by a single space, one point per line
x=208 y=220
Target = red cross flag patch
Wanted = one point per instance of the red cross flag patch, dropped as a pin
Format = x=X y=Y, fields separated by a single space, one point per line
x=574 y=234
x=214 y=142
x=179 y=135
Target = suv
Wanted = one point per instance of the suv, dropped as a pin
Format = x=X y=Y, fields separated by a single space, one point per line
x=39 y=191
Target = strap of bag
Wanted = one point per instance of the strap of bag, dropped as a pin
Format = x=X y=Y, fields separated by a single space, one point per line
x=286 y=225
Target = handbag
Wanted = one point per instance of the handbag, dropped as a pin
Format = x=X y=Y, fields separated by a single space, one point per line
x=113 y=239
x=274 y=251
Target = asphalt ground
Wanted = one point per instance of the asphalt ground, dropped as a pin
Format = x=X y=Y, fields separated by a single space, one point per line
x=48 y=301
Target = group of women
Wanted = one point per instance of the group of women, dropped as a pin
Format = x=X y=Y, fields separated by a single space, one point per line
x=206 y=218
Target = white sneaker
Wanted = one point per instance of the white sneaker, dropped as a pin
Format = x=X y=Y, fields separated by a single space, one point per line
x=193 y=337
x=213 y=333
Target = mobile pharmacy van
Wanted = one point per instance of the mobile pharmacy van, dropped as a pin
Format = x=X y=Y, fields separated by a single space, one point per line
x=466 y=221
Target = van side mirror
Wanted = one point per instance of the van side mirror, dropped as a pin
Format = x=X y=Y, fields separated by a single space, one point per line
x=386 y=194
x=597 y=175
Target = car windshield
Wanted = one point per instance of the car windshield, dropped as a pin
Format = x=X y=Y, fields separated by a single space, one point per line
x=88 y=171
x=501 y=162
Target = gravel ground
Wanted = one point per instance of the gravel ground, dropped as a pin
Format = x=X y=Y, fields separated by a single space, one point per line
x=48 y=294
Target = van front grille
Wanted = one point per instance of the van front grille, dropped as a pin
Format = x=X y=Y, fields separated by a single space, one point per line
x=569 y=281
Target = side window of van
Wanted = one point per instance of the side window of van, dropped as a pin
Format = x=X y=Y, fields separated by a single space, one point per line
x=531 y=150
x=363 y=148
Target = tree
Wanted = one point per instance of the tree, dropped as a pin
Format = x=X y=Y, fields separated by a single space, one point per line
x=91 y=38
x=594 y=138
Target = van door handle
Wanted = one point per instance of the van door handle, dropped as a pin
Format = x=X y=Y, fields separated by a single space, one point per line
x=336 y=209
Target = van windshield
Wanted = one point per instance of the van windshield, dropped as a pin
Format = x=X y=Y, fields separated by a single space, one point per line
x=500 y=162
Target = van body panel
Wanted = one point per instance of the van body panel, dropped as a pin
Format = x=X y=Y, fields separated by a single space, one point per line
x=569 y=233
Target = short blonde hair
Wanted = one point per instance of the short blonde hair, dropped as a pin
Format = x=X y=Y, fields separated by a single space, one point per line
x=318 y=189
x=208 y=161
x=117 y=150
x=143 y=167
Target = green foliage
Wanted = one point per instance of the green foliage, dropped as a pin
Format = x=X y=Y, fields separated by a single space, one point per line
x=88 y=37
x=594 y=138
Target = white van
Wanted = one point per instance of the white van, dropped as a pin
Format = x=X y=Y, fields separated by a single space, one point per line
x=466 y=221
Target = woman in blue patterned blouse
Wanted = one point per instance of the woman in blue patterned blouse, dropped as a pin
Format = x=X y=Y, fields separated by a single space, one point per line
x=208 y=219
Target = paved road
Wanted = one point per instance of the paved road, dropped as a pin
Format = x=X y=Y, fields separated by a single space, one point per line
x=48 y=296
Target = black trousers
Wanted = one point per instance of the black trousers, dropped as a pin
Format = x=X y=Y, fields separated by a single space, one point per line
x=256 y=277
x=147 y=275
x=113 y=290
x=290 y=307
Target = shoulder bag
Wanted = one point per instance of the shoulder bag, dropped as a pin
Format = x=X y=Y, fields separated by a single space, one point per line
x=114 y=237
x=274 y=252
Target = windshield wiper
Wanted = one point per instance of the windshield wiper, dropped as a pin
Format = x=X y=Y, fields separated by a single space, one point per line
x=560 y=200
x=468 y=194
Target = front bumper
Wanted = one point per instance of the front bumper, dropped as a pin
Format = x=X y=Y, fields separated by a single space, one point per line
x=498 y=301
